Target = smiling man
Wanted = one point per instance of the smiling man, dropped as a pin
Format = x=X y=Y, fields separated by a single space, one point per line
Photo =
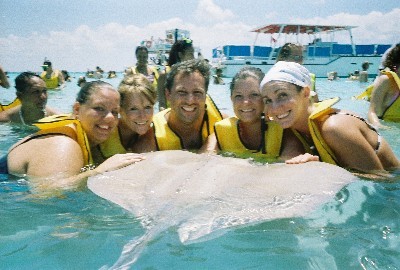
x=191 y=116
x=32 y=94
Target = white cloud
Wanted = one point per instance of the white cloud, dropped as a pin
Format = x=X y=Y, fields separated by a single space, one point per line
x=112 y=45
x=374 y=27
x=208 y=11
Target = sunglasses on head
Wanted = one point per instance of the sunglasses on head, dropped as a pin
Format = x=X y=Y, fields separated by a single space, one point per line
x=187 y=40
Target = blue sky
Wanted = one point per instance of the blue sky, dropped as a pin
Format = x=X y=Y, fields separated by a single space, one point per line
x=79 y=35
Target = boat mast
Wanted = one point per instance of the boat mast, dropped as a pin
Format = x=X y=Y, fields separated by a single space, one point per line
x=254 y=44
x=351 y=40
x=282 y=26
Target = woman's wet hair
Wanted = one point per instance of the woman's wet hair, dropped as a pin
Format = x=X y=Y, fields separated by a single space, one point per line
x=392 y=60
x=137 y=83
x=22 y=81
x=247 y=72
x=178 y=47
x=88 y=89
x=189 y=67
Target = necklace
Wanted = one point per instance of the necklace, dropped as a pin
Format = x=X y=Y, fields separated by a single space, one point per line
x=21 y=117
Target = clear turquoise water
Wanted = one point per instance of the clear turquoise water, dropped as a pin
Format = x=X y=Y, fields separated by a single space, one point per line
x=358 y=229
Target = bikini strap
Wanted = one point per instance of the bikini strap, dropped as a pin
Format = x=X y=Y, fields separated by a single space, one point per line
x=368 y=124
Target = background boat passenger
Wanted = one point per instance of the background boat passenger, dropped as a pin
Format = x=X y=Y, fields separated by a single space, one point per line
x=181 y=50
x=138 y=97
x=55 y=156
x=3 y=78
x=385 y=97
x=32 y=97
x=53 y=78
x=336 y=136
x=188 y=122
x=249 y=133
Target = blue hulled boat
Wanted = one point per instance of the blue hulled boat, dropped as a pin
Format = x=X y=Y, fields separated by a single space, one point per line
x=320 y=57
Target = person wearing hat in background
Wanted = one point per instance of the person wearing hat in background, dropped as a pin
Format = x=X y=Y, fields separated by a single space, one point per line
x=335 y=136
x=53 y=78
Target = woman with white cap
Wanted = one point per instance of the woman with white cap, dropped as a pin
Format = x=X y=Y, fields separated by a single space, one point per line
x=335 y=136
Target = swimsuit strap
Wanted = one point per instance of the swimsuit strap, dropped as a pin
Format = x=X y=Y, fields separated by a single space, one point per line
x=368 y=124
x=263 y=130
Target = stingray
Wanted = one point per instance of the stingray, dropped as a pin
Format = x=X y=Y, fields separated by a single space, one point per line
x=203 y=195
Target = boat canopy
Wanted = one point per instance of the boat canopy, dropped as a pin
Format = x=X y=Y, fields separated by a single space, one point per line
x=300 y=29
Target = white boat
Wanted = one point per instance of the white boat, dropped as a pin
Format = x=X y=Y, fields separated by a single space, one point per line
x=159 y=48
x=320 y=57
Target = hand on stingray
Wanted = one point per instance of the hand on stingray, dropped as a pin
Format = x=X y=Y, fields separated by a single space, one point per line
x=119 y=161
x=302 y=159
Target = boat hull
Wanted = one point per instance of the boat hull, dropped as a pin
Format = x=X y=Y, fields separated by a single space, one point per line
x=343 y=65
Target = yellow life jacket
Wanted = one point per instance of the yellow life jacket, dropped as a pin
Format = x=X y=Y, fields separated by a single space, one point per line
x=322 y=109
x=61 y=124
x=52 y=82
x=152 y=77
x=313 y=79
x=228 y=138
x=112 y=145
x=392 y=113
x=167 y=139
x=366 y=95
x=15 y=103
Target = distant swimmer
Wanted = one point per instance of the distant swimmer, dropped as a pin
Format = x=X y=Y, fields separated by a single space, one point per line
x=363 y=77
x=142 y=66
x=53 y=78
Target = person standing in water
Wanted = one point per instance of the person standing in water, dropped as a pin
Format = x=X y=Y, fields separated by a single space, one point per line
x=53 y=78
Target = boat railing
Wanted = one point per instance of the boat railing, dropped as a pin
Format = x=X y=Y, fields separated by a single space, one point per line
x=311 y=51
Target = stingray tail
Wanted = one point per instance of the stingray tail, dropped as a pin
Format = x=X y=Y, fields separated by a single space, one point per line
x=132 y=250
